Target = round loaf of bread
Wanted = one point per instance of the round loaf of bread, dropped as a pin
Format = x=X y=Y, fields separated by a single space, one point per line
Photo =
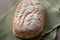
x=29 y=19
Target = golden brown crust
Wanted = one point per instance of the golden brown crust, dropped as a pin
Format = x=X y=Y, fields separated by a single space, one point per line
x=29 y=19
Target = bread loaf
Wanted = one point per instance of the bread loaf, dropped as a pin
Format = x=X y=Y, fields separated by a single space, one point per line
x=29 y=19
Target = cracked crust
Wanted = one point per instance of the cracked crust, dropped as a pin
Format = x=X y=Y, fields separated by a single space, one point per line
x=29 y=19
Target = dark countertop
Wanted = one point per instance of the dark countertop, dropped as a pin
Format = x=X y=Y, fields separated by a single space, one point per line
x=7 y=4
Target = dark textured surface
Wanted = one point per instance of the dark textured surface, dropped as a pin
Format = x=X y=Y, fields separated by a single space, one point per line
x=58 y=34
x=7 y=4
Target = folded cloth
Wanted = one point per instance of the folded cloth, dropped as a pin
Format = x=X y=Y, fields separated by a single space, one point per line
x=51 y=23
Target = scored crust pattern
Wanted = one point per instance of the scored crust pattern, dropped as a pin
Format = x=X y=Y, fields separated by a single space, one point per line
x=29 y=16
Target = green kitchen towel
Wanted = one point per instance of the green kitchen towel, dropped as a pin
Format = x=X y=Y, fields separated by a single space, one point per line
x=51 y=23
